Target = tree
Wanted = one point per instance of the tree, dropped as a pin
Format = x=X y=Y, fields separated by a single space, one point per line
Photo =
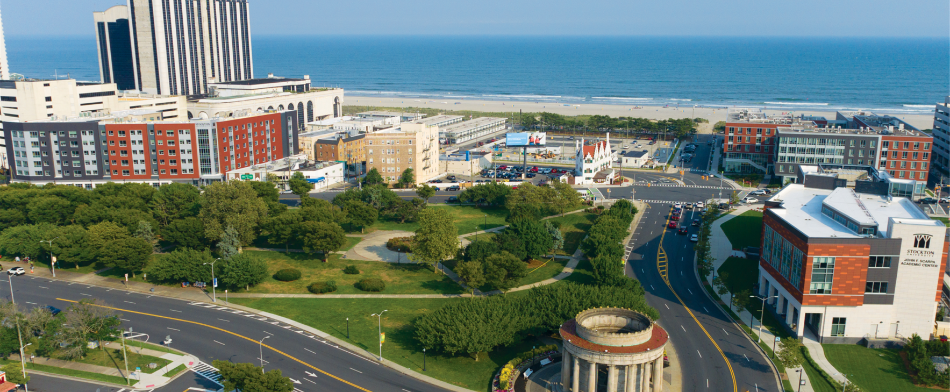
x=557 y=238
x=741 y=299
x=479 y=250
x=187 y=233
x=11 y=218
x=229 y=245
x=90 y=320
x=144 y=231
x=565 y=197
x=50 y=209
x=373 y=177
x=266 y=190
x=15 y=373
x=181 y=265
x=425 y=192
x=719 y=283
x=100 y=235
x=361 y=214
x=472 y=273
x=243 y=270
x=25 y=240
x=511 y=243
x=436 y=238
x=175 y=201
x=129 y=254
x=734 y=199
x=282 y=229
x=233 y=203
x=535 y=237
x=504 y=270
x=407 y=178
x=299 y=185
x=321 y=237
x=790 y=354
x=246 y=377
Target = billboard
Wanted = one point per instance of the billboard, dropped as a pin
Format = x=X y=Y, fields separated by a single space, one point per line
x=525 y=139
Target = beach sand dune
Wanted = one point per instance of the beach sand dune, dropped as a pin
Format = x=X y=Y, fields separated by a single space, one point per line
x=652 y=112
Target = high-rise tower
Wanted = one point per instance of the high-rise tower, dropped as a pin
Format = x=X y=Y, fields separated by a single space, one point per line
x=4 y=66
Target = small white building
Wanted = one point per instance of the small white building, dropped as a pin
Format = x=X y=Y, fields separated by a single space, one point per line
x=591 y=160
x=635 y=159
x=322 y=174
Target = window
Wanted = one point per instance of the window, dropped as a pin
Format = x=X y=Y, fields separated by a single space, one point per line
x=880 y=262
x=875 y=288
x=837 y=326
x=822 y=274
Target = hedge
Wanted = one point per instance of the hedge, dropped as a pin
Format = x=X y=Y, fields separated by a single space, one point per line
x=351 y=270
x=288 y=275
x=322 y=287
x=371 y=284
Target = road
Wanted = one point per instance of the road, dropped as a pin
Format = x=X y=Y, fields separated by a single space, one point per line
x=210 y=332
x=713 y=353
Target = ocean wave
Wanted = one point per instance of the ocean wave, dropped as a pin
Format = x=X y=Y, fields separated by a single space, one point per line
x=623 y=98
x=919 y=106
x=681 y=99
x=530 y=96
x=798 y=103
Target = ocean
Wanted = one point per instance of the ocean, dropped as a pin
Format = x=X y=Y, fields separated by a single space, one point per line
x=906 y=75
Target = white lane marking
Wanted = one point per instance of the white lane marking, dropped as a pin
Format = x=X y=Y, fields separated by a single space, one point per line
x=641 y=270
x=724 y=330
x=311 y=381
x=269 y=333
x=700 y=354
x=667 y=306
x=219 y=342
x=654 y=288
x=42 y=287
x=32 y=303
x=109 y=290
x=684 y=328
x=310 y=351
x=690 y=291
x=173 y=310
x=88 y=295
x=707 y=383
x=224 y=320
x=356 y=371
x=125 y=320
x=684 y=246
x=129 y=302
x=261 y=359
x=746 y=358
x=707 y=310
x=173 y=329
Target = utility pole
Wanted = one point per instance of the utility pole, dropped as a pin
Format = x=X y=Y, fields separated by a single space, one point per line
x=125 y=358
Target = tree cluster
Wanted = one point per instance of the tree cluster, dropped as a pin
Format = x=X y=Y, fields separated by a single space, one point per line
x=65 y=335
x=386 y=202
x=550 y=121
x=604 y=244
x=246 y=377
x=919 y=353
x=481 y=324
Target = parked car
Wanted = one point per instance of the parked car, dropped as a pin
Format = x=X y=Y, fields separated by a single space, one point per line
x=451 y=178
x=688 y=206
x=435 y=182
x=694 y=238
x=723 y=206
x=749 y=200
x=945 y=200
x=700 y=204
x=751 y=253
x=759 y=192
x=683 y=230
x=696 y=222
x=678 y=206
x=16 y=271
x=531 y=175
x=675 y=217
x=453 y=188
x=671 y=225
x=452 y=199
x=927 y=200
x=53 y=310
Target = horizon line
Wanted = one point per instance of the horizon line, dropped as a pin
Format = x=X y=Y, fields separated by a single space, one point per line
x=429 y=35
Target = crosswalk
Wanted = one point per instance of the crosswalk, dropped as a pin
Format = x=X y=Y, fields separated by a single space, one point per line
x=664 y=201
x=207 y=371
x=672 y=185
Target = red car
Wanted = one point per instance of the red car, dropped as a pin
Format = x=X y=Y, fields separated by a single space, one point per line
x=675 y=217
x=534 y=169
x=671 y=225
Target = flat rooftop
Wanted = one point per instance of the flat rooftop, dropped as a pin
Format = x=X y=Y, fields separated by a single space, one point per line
x=439 y=119
x=383 y=113
x=826 y=131
x=470 y=124
x=260 y=81
x=757 y=116
x=801 y=208
x=891 y=124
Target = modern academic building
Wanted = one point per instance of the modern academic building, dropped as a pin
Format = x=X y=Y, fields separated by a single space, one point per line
x=842 y=265
x=89 y=153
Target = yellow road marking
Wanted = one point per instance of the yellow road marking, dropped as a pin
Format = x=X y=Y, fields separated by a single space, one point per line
x=232 y=333
x=663 y=270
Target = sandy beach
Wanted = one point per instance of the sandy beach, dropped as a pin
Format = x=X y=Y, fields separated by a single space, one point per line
x=652 y=112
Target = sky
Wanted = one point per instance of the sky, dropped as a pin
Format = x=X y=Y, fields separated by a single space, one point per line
x=809 y=18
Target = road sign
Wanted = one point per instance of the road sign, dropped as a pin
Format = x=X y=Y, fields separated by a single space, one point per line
x=778 y=339
x=247 y=176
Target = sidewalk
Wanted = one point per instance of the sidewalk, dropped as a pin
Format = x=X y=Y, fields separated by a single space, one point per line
x=721 y=250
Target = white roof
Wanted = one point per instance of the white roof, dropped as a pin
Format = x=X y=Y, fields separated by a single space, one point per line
x=802 y=210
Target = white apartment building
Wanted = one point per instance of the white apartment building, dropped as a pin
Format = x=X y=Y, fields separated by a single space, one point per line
x=42 y=100
x=941 y=135
x=4 y=65
x=442 y=120
x=470 y=130
x=391 y=118
x=592 y=163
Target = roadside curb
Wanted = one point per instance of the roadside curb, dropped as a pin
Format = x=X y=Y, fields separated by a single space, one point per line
x=778 y=378
x=353 y=349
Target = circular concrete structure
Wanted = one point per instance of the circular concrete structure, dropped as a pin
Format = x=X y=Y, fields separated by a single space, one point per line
x=624 y=343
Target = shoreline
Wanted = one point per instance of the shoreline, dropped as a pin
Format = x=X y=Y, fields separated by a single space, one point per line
x=713 y=114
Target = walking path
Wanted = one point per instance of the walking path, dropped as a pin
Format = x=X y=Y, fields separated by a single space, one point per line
x=721 y=250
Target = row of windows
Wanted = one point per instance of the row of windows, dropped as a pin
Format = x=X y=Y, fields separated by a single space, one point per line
x=822 y=275
x=74 y=173
x=389 y=142
x=880 y=262
x=782 y=256
x=897 y=145
x=758 y=131
x=913 y=165
x=747 y=148
x=97 y=94
x=154 y=171
x=875 y=288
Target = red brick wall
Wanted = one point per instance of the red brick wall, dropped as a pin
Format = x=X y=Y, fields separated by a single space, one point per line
x=166 y=153
x=768 y=138
x=896 y=152
x=115 y=150
x=244 y=146
x=789 y=235
x=851 y=271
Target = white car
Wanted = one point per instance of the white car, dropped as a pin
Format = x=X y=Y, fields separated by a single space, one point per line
x=759 y=192
x=700 y=205
x=678 y=206
x=694 y=238
x=16 y=271
x=749 y=200
x=944 y=200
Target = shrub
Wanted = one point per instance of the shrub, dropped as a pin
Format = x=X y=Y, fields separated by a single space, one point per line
x=287 y=275
x=322 y=287
x=351 y=270
x=371 y=284
x=514 y=362
x=400 y=244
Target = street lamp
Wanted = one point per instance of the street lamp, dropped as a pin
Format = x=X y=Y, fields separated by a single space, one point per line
x=52 y=264
x=22 y=363
x=262 y=352
x=762 y=311
x=10 y=280
x=214 y=297
x=800 y=379
x=379 y=326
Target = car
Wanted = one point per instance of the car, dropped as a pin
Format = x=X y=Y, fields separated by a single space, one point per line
x=945 y=200
x=452 y=199
x=700 y=204
x=53 y=310
x=688 y=206
x=671 y=225
x=453 y=188
x=16 y=271
x=451 y=178
x=534 y=169
x=462 y=181
x=678 y=206
x=759 y=192
x=666 y=181
x=723 y=206
x=751 y=252
x=696 y=222
x=435 y=182
x=927 y=200
x=749 y=200
x=675 y=217
x=531 y=175
x=683 y=230
x=503 y=167
x=694 y=238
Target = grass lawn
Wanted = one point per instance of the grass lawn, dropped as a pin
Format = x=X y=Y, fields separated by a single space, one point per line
x=350 y=243
x=741 y=274
x=175 y=371
x=399 y=278
x=545 y=269
x=574 y=227
x=744 y=230
x=944 y=220
x=818 y=383
x=874 y=370
x=468 y=219
x=76 y=373
x=112 y=358
x=329 y=315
